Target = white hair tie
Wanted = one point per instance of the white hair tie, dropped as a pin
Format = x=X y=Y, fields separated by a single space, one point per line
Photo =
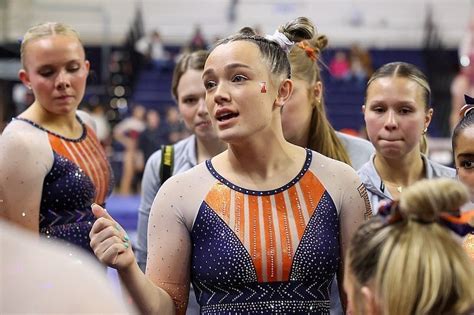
x=281 y=40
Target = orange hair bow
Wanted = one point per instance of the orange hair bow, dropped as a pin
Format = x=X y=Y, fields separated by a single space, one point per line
x=310 y=52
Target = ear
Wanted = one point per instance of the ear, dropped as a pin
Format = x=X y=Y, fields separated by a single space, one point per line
x=428 y=116
x=318 y=91
x=369 y=302
x=24 y=77
x=87 y=64
x=284 y=92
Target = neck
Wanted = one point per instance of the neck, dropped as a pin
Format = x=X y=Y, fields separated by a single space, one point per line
x=400 y=172
x=301 y=140
x=207 y=148
x=38 y=114
x=263 y=158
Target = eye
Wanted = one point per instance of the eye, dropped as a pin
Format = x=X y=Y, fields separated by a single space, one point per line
x=467 y=164
x=73 y=68
x=378 y=109
x=190 y=100
x=405 y=111
x=239 y=78
x=46 y=72
x=209 y=84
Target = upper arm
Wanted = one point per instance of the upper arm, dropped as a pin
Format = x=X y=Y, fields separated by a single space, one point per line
x=169 y=244
x=25 y=159
x=354 y=207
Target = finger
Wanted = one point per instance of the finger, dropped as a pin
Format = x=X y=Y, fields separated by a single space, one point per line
x=102 y=224
x=112 y=254
x=98 y=239
x=100 y=212
x=102 y=247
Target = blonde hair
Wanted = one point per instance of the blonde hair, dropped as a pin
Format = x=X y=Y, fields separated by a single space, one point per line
x=411 y=72
x=416 y=266
x=45 y=30
x=322 y=136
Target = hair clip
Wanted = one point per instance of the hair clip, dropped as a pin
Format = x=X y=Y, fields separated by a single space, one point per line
x=461 y=224
x=282 y=41
x=468 y=107
x=389 y=211
x=310 y=52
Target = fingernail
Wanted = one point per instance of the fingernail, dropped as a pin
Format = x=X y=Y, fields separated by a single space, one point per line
x=117 y=227
x=126 y=238
x=125 y=244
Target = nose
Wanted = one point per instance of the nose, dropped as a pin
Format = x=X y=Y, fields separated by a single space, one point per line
x=220 y=94
x=391 y=120
x=62 y=81
x=202 y=108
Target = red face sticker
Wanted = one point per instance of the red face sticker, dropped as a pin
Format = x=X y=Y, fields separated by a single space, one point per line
x=263 y=88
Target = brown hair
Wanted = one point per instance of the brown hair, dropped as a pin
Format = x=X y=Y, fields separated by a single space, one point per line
x=322 y=136
x=296 y=30
x=194 y=61
x=45 y=30
x=415 y=266
x=466 y=121
x=409 y=71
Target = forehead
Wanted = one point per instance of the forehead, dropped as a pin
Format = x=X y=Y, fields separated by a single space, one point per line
x=190 y=82
x=53 y=49
x=395 y=87
x=465 y=140
x=241 y=51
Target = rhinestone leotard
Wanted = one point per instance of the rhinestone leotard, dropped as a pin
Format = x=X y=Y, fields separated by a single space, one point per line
x=80 y=175
x=265 y=252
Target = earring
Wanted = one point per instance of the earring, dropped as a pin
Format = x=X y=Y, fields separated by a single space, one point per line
x=29 y=87
x=424 y=131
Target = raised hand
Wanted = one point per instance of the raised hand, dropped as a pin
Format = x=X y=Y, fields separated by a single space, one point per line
x=109 y=241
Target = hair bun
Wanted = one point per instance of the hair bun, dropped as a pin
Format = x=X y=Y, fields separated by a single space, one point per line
x=247 y=31
x=425 y=199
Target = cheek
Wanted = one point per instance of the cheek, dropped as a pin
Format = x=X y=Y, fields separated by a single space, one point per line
x=466 y=177
x=188 y=114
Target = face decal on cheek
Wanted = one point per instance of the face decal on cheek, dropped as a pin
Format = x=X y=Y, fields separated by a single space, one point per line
x=263 y=87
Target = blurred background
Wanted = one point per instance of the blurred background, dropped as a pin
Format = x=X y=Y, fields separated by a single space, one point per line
x=133 y=45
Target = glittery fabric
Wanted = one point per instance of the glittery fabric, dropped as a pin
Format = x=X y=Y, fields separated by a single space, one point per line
x=468 y=246
x=265 y=252
x=80 y=175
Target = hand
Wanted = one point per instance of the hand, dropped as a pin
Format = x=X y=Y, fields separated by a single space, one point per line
x=109 y=241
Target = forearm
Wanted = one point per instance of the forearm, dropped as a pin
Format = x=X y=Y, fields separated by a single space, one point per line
x=149 y=298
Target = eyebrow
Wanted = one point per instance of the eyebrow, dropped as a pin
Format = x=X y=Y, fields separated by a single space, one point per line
x=228 y=67
x=465 y=155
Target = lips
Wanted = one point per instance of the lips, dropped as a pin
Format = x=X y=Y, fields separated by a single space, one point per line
x=203 y=123
x=225 y=114
x=64 y=97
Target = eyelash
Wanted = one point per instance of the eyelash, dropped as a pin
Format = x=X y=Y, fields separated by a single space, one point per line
x=240 y=77
x=467 y=164
x=51 y=72
x=209 y=84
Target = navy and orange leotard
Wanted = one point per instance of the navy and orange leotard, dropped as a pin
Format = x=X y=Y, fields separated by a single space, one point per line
x=80 y=175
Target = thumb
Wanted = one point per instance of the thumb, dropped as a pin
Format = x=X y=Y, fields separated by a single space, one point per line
x=100 y=212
